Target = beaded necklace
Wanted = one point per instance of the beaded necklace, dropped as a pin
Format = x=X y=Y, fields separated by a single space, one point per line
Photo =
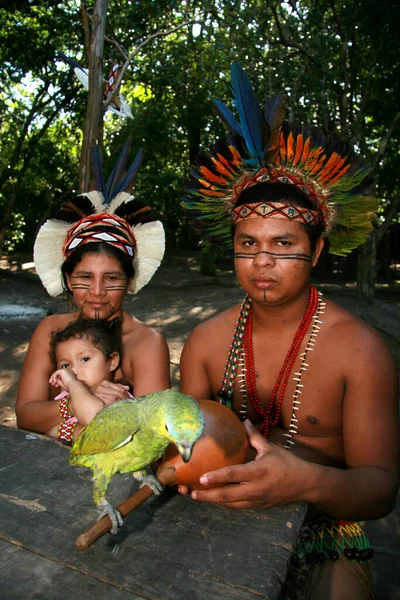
x=241 y=354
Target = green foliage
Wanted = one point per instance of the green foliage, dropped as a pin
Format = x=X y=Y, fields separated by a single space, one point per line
x=15 y=233
x=337 y=61
x=209 y=257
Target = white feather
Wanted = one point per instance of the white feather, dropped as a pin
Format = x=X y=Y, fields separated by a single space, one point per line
x=83 y=76
x=150 y=240
x=118 y=200
x=48 y=255
x=97 y=199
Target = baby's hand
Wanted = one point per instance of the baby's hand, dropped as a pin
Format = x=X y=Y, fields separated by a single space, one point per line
x=62 y=378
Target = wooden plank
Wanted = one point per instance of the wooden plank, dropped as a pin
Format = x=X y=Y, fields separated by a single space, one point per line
x=169 y=548
x=24 y=574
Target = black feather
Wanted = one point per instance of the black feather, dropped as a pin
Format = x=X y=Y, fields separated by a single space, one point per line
x=274 y=114
x=68 y=60
x=75 y=210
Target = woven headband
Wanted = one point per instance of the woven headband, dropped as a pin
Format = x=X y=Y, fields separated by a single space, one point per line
x=101 y=227
x=276 y=210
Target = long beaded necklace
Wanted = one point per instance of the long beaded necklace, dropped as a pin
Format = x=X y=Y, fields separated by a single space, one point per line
x=241 y=353
x=283 y=377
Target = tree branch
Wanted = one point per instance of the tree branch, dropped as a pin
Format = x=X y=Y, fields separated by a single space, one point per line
x=284 y=41
x=117 y=46
x=384 y=142
x=392 y=210
x=135 y=53
x=85 y=23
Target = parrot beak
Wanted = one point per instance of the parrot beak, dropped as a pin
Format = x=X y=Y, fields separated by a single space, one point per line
x=185 y=452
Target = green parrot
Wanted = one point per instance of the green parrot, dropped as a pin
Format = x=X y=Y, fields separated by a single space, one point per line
x=129 y=435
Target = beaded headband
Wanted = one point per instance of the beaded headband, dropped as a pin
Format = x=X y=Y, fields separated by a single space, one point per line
x=277 y=210
x=110 y=215
x=263 y=147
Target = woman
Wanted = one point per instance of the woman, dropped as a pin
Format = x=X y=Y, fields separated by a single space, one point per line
x=114 y=248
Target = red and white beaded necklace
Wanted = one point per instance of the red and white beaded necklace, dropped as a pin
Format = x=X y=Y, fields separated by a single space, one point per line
x=241 y=354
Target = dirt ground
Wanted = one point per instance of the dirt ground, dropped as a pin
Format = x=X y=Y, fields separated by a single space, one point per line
x=175 y=301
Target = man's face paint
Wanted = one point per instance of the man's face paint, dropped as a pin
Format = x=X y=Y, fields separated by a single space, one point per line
x=275 y=255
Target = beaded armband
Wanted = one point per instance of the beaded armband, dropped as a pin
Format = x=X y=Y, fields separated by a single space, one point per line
x=66 y=431
x=63 y=408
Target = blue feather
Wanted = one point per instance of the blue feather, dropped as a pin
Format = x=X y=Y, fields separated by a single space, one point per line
x=251 y=119
x=227 y=117
x=119 y=168
x=127 y=181
x=97 y=173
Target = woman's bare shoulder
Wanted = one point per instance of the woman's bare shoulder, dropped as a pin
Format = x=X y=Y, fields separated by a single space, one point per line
x=54 y=322
x=137 y=333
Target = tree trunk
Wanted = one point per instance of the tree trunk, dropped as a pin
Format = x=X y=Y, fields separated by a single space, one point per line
x=94 y=113
x=366 y=269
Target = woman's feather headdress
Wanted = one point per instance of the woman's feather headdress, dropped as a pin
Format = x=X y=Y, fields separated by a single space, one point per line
x=262 y=147
x=110 y=214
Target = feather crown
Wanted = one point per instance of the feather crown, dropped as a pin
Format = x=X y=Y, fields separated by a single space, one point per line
x=110 y=214
x=262 y=147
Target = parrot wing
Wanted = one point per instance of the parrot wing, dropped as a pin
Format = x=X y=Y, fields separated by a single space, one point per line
x=113 y=427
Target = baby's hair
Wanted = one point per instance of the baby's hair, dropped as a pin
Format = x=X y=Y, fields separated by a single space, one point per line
x=104 y=335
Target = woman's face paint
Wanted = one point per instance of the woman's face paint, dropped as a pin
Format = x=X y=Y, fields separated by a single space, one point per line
x=98 y=284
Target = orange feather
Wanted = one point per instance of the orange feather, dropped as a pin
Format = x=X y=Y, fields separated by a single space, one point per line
x=210 y=193
x=211 y=176
x=221 y=168
x=290 y=147
x=299 y=148
x=340 y=174
x=306 y=150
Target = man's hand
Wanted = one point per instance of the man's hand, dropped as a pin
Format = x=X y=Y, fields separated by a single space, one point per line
x=62 y=378
x=110 y=392
x=276 y=477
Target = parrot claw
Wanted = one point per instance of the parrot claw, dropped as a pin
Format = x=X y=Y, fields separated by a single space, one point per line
x=115 y=516
x=151 y=481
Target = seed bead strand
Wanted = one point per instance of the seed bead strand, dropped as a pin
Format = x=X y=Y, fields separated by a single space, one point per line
x=293 y=426
x=283 y=377
x=225 y=394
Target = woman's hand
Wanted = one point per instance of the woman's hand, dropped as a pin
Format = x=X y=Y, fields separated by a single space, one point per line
x=110 y=392
x=62 y=378
x=276 y=477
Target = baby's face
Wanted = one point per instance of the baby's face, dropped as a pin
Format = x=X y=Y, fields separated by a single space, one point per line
x=85 y=360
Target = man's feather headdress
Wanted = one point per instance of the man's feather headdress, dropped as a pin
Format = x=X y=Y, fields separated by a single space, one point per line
x=110 y=215
x=262 y=147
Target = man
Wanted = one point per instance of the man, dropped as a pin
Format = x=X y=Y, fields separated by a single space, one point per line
x=318 y=384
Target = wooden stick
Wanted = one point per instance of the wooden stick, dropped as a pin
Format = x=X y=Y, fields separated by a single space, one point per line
x=166 y=476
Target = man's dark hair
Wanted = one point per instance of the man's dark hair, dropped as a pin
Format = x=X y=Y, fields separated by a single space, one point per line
x=96 y=248
x=281 y=192
x=104 y=335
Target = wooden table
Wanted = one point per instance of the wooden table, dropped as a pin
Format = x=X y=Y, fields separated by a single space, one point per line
x=170 y=548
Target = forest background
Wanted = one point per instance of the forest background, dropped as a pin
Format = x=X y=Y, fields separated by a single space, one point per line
x=337 y=61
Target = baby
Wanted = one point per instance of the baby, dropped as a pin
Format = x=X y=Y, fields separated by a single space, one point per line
x=85 y=353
